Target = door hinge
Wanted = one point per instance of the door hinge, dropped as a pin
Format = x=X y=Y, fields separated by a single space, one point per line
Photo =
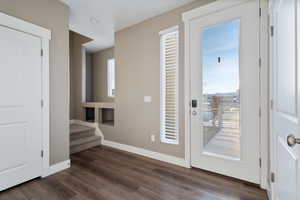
x=42 y=52
x=259 y=12
x=259 y=61
x=259 y=112
x=271 y=104
x=272 y=30
x=260 y=162
x=42 y=103
x=42 y=153
x=272 y=177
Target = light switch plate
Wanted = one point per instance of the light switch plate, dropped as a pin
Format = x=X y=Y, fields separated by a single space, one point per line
x=147 y=99
x=152 y=138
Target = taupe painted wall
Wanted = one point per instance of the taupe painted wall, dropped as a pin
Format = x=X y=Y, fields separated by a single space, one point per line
x=77 y=60
x=99 y=60
x=137 y=53
x=52 y=15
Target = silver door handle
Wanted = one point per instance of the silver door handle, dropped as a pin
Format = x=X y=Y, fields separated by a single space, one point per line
x=292 y=140
x=194 y=113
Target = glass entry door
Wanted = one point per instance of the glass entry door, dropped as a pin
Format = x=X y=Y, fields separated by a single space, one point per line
x=221 y=89
x=224 y=53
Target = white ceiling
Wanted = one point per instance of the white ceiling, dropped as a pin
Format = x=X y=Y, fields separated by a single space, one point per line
x=99 y=19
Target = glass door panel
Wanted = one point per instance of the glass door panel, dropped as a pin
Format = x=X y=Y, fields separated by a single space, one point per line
x=221 y=90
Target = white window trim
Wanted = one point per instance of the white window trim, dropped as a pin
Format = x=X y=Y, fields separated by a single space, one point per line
x=162 y=138
x=169 y=30
x=108 y=77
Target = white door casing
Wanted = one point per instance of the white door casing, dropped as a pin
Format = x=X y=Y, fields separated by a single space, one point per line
x=24 y=103
x=285 y=95
x=247 y=167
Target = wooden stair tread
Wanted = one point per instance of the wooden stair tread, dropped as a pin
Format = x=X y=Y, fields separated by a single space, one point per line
x=79 y=131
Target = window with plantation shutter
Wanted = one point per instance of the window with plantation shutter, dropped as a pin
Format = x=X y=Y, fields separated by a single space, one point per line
x=169 y=86
x=111 y=82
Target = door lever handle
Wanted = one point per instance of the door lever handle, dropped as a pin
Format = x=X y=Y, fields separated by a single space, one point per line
x=292 y=140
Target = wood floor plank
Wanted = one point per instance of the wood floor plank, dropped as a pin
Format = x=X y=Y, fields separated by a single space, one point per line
x=103 y=173
x=201 y=186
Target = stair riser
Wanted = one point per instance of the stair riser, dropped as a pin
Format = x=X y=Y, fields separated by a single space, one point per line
x=82 y=135
x=82 y=147
x=85 y=140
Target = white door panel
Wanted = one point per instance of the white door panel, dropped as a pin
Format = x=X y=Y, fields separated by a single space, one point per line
x=15 y=136
x=20 y=108
x=225 y=83
x=286 y=40
x=287 y=168
x=285 y=114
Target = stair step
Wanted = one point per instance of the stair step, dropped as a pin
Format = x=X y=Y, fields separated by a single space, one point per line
x=85 y=146
x=75 y=128
x=85 y=140
x=79 y=131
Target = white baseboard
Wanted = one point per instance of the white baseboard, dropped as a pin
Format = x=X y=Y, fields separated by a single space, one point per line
x=53 y=169
x=150 y=154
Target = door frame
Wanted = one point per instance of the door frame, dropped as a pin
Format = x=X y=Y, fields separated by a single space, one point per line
x=272 y=138
x=45 y=36
x=264 y=79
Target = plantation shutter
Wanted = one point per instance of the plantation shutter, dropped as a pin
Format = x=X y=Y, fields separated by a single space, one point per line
x=169 y=86
x=111 y=78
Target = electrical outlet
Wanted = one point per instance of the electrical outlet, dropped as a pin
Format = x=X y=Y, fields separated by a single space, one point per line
x=152 y=138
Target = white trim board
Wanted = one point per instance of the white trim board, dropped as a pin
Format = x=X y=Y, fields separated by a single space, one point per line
x=269 y=194
x=58 y=167
x=264 y=95
x=150 y=154
x=169 y=30
x=211 y=8
x=45 y=35
x=26 y=27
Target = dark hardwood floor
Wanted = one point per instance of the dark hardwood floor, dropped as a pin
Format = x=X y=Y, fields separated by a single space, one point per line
x=104 y=173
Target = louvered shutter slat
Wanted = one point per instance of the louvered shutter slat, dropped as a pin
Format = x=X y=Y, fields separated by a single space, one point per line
x=169 y=87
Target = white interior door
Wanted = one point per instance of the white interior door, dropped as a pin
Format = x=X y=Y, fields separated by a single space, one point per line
x=285 y=113
x=224 y=59
x=20 y=107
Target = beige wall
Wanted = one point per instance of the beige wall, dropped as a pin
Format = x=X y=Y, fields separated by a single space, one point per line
x=137 y=53
x=77 y=63
x=52 y=15
x=99 y=63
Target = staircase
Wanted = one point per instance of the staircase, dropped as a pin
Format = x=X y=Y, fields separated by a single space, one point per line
x=82 y=138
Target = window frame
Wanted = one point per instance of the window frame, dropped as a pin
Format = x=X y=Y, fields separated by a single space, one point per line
x=162 y=35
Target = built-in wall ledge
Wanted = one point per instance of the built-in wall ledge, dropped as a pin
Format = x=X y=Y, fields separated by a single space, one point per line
x=98 y=105
x=103 y=112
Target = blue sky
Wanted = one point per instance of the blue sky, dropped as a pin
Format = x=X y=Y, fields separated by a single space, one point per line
x=221 y=41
